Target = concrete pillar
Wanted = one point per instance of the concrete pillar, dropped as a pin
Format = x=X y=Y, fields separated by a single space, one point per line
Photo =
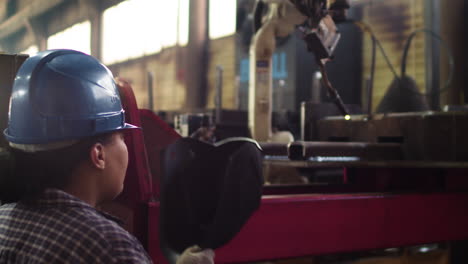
x=93 y=11
x=96 y=36
x=197 y=56
x=452 y=31
x=38 y=31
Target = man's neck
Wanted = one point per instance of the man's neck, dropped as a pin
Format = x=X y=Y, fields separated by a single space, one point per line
x=85 y=196
x=83 y=187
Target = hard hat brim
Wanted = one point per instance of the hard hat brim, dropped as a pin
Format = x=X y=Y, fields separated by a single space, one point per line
x=130 y=126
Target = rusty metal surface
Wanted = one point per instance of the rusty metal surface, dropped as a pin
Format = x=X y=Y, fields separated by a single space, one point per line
x=303 y=150
x=274 y=149
x=365 y=164
x=430 y=136
x=360 y=150
x=312 y=112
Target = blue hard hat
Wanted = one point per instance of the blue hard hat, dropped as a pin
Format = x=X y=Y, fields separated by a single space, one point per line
x=62 y=95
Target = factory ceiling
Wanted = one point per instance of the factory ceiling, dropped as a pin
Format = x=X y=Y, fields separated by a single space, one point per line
x=17 y=16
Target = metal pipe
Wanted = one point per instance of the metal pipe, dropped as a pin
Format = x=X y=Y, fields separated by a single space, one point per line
x=302 y=150
x=370 y=82
x=150 y=91
x=219 y=93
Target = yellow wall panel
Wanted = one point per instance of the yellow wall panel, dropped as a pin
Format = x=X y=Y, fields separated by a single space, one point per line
x=168 y=91
x=392 y=23
x=223 y=53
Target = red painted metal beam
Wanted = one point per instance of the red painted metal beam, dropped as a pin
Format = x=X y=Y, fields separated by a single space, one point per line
x=305 y=225
x=153 y=246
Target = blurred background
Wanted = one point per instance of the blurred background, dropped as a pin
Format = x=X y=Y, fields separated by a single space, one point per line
x=169 y=50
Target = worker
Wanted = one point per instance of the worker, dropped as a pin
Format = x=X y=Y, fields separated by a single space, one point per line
x=66 y=134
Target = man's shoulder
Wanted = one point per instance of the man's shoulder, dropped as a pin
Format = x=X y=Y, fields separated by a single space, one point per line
x=123 y=244
x=5 y=211
x=81 y=222
x=7 y=207
x=99 y=222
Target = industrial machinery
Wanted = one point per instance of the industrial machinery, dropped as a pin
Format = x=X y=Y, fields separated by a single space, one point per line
x=378 y=204
x=320 y=35
x=389 y=161
x=393 y=192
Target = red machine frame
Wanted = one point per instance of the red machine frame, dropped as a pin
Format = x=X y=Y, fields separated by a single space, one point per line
x=297 y=221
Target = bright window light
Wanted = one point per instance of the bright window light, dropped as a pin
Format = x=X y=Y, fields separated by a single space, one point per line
x=77 y=37
x=31 y=50
x=222 y=18
x=183 y=21
x=127 y=31
x=135 y=28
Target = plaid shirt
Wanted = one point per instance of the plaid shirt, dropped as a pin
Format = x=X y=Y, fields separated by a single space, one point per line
x=60 y=228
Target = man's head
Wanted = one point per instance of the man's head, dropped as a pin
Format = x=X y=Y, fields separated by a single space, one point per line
x=66 y=118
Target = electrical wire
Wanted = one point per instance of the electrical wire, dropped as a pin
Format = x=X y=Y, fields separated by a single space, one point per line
x=365 y=28
x=370 y=85
x=332 y=92
x=375 y=42
x=451 y=61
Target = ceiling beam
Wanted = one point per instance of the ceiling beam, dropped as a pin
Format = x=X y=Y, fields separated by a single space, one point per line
x=36 y=30
x=17 y=21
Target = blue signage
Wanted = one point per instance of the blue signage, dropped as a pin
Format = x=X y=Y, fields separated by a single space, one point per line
x=279 y=71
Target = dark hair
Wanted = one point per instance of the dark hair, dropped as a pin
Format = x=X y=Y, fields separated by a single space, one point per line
x=30 y=174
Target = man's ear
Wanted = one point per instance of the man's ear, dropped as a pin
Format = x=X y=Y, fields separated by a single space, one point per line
x=97 y=156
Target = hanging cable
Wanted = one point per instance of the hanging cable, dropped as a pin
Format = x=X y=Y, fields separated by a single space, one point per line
x=451 y=61
x=332 y=92
x=365 y=28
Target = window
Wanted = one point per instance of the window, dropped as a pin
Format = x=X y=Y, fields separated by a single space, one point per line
x=135 y=28
x=31 y=50
x=183 y=21
x=222 y=18
x=77 y=37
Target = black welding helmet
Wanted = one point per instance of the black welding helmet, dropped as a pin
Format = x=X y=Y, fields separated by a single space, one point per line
x=208 y=191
